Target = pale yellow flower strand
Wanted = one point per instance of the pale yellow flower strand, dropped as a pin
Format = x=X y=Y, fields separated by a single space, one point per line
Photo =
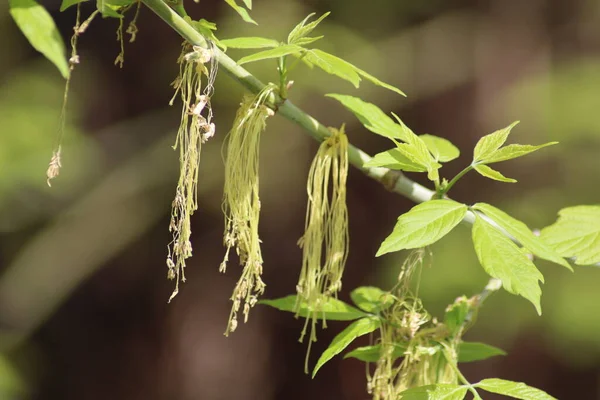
x=194 y=130
x=325 y=242
x=241 y=203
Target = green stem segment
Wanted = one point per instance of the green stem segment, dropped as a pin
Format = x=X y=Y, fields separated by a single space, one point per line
x=454 y=180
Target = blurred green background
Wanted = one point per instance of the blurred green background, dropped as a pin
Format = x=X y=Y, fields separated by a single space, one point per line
x=83 y=286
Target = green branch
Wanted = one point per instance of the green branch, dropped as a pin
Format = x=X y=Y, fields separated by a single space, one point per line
x=393 y=180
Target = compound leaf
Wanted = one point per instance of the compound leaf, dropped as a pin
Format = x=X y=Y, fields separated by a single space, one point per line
x=488 y=144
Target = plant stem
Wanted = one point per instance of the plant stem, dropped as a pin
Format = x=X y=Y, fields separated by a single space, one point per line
x=455 y=179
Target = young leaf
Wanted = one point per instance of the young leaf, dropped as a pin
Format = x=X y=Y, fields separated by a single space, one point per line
x=332 y=309
x=492 y=173
x=441 y=149
x=522 y=233
x=370 y=298
x=377 y=82
x=441 y=391
x=302 y=29
x=416 y=150
x=371 y=117
x=333 y=65
x=516 y=390
x=307 y=40
x=372 y=353
x=423 y=225
x=419 y=155
x=456 y=315
x=277 y=52
x=488 y=144
x=241 y=11
x=576 y=234
x=502 y=259
x=38 y=27
x=344 y=338
x=248 y=4
x=394 y=159
x=68 y=3
x=514 y=151
x=473 y=351
x=249 y=43
x=110 y=8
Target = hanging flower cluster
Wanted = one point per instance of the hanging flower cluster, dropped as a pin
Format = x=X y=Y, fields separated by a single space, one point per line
x=196 y=128
x=241 y=202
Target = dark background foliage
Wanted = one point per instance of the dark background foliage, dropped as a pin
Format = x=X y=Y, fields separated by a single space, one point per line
x=83 y=289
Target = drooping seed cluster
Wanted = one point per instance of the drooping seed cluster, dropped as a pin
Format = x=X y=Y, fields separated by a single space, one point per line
x=194 y=130
x=325 y=240
x=241 y=202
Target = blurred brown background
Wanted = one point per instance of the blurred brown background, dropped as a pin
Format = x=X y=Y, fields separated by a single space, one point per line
x=83 y=288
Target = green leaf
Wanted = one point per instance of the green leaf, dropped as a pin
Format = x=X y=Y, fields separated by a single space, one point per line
x=377 y=82
x=371 y=117
x=277 y=52
x=370 y=298
x=248 y=4
x=576 y=234
x=441 y=149
x=419 y=155
x=502 y=259
x=467 y=352
x=38 y=27
x=345 y=337
x=333 y=65
x=488 y=144
x=307 y=40
x=249 y=43
x=423 y=225
x=456 y=315
x=523 y=234
x=303 y=29
x=492 y=173
x=514 y=151
x=332 y=309
x=394 y=159
x=241 y=11
x=373 y=353
x=441 y=391
x=473 y=351
x=68 y=3
x=516 y=390
x=416 y=150
x=110 y=8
